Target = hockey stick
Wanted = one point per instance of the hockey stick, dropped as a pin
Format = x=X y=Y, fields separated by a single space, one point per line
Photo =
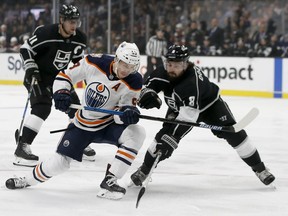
x=19 y=131
x=247 y=119
x=145 y=184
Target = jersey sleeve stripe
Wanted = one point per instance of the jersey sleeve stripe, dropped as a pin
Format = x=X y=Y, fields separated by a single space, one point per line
x=63 y=75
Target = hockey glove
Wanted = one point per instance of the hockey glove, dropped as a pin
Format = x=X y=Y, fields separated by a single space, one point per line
x=166 y=144
x=62 y=99
x=32 y=72
x=130 y=115
x=149 y=99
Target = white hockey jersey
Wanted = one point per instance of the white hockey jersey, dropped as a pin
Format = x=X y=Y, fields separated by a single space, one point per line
x=103 y=89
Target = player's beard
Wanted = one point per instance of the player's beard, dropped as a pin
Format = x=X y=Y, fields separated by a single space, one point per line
x=172 y=76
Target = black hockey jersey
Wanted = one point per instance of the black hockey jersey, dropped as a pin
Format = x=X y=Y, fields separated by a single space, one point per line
x=193 y=89
x=186 y=97
x=51 y=51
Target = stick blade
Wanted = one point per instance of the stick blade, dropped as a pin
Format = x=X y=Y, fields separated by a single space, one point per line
x=246 y=120
x=141 y=193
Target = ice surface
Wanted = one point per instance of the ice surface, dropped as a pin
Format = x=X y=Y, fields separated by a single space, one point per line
x=205 y=176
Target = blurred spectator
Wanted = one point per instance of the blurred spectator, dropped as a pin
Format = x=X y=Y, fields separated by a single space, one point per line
x=195 y=33
x=99 y=45
x=4 y=33
x=227 y=49
x=216 y=34
x=155 y=49
x=45 y=16
x=240 y=50
x=262 y=49
x=259 y=34
x=116 y=43
x=178 y=37
x=284 y=45
x=91 y=48
x=209 y=50
x=193 y=47
x=3 y=44
x=14 y=45
x=277 y=50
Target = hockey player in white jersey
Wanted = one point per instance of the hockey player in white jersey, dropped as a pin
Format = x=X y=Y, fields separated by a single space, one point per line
x=112 y=83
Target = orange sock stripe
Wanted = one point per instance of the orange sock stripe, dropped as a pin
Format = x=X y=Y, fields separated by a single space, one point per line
x=126 y=154
x=38 y=173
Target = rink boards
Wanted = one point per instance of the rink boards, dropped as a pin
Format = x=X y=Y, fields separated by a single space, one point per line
x=257 y=77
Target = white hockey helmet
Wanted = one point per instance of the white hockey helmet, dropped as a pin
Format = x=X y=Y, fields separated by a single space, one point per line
x=128 y=53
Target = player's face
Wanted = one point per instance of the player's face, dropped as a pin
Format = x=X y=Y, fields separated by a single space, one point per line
x=175 y=69
x=70 y=26
x=124 y=69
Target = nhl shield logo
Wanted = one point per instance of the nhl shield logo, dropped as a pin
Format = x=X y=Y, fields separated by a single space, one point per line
x=62 y=59
x=97 y=94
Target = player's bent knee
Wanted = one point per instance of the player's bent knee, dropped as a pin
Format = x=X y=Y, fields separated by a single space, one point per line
x=234 y=139
x=57 y=164
x=41 y=110
x=133 y=136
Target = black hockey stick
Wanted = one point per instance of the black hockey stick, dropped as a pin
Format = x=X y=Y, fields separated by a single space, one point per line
x=145 y=183
x=247 y=119
x=19 y=131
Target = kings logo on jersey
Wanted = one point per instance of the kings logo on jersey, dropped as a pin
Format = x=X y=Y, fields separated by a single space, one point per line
x=97 y=95
x=62 y=59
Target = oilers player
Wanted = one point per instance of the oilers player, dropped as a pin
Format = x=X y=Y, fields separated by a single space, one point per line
x=190 y=96
x=112 y=83
x=48 y=51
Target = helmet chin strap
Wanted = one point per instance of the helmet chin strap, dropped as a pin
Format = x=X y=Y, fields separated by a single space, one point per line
x=116 y=67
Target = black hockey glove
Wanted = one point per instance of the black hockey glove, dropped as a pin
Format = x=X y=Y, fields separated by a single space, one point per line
x=149 y=99
x=130 y=115
x=62 y=99
x=32 y=72
x=166 y=144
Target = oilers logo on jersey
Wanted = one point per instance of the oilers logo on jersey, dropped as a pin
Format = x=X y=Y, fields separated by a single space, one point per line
x=97 y=94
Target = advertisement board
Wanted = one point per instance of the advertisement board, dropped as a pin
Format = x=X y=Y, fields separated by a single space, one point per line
x=259 y=77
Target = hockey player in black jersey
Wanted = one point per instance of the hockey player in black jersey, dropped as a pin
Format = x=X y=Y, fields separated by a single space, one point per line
x=190 y=96
x=47 y=52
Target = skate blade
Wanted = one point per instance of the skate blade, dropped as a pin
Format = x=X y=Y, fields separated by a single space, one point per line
x=23 y=162
x=273 y=187
x=103 y=193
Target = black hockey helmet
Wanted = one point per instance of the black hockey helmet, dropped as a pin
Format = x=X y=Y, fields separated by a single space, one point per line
x=69 y=12
x=177 y=53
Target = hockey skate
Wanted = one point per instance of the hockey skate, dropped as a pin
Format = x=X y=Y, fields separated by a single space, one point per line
x=263 y=173
x=16 y=183
x=24 y=156
x=89 y=154
x=110 y=189
x=140 y=175
x=265 y=176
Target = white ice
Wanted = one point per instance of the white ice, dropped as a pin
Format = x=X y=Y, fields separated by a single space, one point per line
x=205 y=176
